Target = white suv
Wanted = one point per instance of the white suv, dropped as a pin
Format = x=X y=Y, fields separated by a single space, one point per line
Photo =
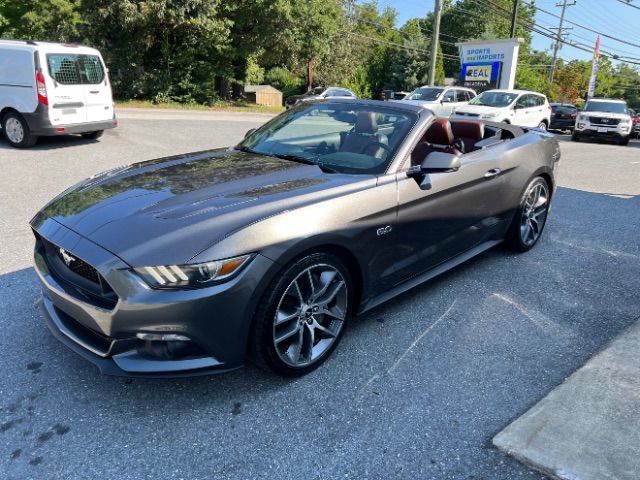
x=604 y=118
x=518 y=107
x=52 y=89
x=442 y=101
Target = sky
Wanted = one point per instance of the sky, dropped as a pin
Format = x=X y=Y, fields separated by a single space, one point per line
x=607 y=16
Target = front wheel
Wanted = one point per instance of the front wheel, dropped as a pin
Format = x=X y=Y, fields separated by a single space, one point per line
x=93 y=135
x=17 y=132
x=529 y=221
x=575 y=137
x=302 y=316
x=625 y=140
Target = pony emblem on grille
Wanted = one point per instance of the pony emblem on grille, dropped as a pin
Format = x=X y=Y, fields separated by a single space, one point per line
x=68 y=259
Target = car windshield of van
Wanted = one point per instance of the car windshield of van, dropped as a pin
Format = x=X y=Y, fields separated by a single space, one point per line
x=610 y=107
x=338 y=137
x=425 y=94
x=72 y=69
x=494 y=99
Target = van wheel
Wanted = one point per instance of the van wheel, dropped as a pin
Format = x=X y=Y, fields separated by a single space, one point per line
x=93 y=135
x=16 y=131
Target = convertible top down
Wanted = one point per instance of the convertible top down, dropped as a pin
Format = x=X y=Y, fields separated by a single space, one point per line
x=190 y=264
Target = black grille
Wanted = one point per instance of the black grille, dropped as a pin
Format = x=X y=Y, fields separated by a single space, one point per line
x=76 y=276
x=604 y=121
x=77 y=266
x=464 y=114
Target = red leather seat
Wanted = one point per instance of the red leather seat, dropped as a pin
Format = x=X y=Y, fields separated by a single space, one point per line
x=364 y=138
x=438 y=138
x=469 y=133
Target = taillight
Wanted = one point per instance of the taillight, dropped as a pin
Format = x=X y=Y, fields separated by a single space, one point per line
x=574 y=115
x=42 y=88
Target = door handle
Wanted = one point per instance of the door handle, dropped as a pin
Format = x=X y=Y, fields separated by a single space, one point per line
x=494 y=172
x=94 y=91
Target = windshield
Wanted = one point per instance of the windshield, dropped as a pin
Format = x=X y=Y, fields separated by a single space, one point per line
x=426 y=94
x=611 y=107
x=338 y=137
x=494 y=99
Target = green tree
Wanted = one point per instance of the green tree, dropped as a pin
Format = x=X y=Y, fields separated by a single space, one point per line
x=53 y=20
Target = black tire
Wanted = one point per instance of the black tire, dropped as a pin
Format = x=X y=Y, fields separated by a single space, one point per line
x=262 y=345
x=624 y=141
x=575 y=137
x=543 y=125
x=514 y=238
x=93 y=135
x=25 y=139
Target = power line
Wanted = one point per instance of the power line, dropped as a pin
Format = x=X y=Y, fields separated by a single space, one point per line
x=582 y=26
x=629 y=4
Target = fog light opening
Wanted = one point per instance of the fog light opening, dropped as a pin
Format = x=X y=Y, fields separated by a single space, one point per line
x=167 y=346
x=162 y=337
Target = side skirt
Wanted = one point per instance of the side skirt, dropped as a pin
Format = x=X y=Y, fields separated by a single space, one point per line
x=428 y=275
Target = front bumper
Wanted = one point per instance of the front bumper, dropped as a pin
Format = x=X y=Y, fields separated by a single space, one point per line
x=215 y=319
x=596 y=131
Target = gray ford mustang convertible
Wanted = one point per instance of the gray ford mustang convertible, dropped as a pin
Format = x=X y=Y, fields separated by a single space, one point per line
x=190 y=264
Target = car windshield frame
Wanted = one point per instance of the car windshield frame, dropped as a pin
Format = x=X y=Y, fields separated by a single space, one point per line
x=478 y=99
x=419 y=90
x=264 y=141
x=598 y=107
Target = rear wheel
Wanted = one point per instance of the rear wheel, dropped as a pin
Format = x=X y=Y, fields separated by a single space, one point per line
x=302 y=316
x=93 y=135
x=529 y=221
x=542 y=125
x=16 y=131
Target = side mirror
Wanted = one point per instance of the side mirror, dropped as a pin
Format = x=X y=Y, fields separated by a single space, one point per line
x=435 y=162
x=249 y=132
x=446 y=100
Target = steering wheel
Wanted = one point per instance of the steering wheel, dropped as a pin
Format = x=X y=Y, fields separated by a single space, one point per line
x=384 y=146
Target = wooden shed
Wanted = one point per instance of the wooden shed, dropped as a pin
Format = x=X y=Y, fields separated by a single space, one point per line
x=263 y=95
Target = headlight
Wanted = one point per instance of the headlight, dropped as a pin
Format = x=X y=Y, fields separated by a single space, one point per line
x=490 y=115
x=624 y=124
x=199 y=275
x=582 y=118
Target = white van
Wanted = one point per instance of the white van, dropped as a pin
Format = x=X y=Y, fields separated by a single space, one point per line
x=52 y=89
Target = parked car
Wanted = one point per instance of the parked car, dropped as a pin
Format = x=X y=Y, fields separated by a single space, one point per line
x=320 y=93
x=636 y=124
x=519 y=107
x=52 y=89
x=563 y=116
x=442 y=101
x=268 y=248
x=604 y=118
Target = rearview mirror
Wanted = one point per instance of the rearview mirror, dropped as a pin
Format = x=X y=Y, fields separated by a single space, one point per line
x=249 y=132
x=435 y=162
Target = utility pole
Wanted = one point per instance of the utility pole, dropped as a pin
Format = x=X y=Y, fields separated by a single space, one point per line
x=556 y=47
x=514 y=18
x=437 y=14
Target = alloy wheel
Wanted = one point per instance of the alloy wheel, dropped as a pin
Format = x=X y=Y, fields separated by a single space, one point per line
x=14 y=130
x=310 y=315
x=542 y=126
x=534 y=213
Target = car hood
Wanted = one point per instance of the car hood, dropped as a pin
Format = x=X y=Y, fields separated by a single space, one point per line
x=169 y=210
x=478 y=109
x=420 y=102
x=620 y=116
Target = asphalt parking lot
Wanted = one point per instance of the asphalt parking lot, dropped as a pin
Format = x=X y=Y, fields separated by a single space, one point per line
x=417 y=388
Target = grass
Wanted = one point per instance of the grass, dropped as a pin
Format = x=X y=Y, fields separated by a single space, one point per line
x=218 y=106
